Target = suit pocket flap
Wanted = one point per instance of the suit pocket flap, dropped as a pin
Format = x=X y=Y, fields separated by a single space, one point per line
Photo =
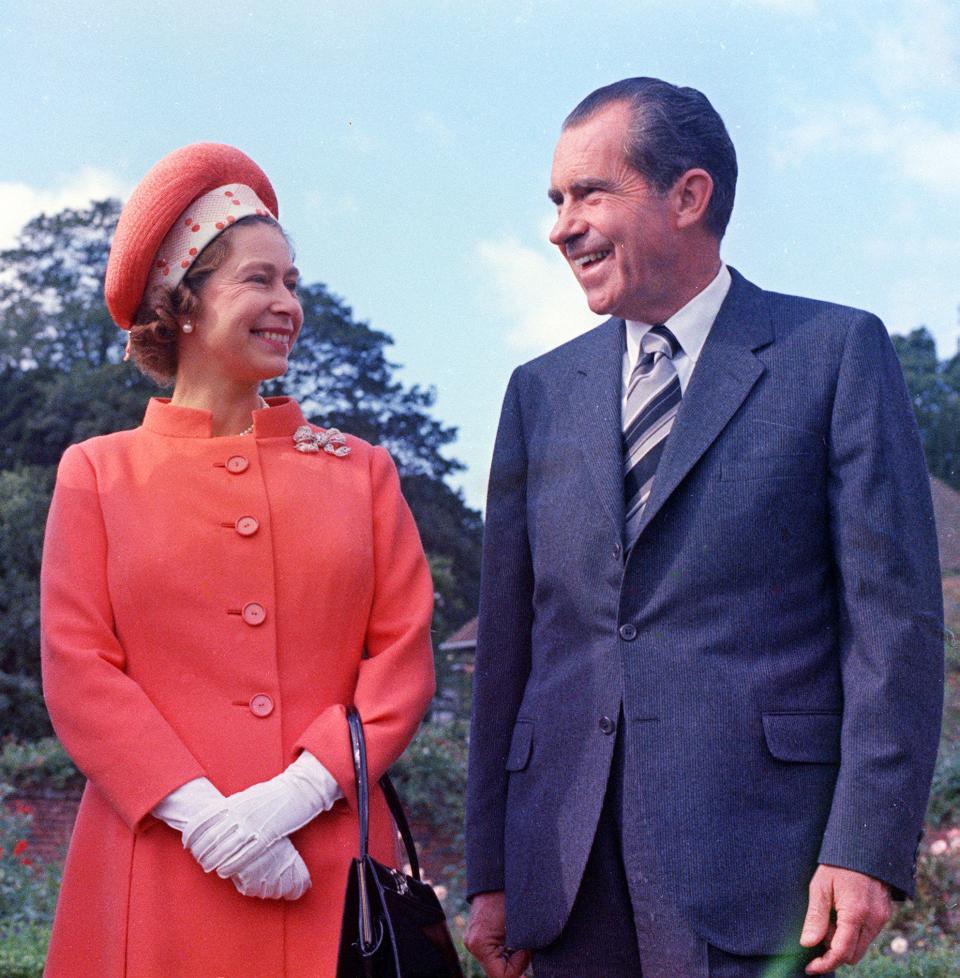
x=520 y=745
x=810 y=737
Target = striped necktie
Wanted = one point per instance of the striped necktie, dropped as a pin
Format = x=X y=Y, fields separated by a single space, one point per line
x=652 y=402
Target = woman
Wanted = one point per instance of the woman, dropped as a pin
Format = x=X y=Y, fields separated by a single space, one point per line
x=217 y=585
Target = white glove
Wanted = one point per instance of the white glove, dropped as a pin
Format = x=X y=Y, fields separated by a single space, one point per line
x=277 y=873
x=186 y=802
x=229 y=835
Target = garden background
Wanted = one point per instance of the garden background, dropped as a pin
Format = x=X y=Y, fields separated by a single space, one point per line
x=62 y=379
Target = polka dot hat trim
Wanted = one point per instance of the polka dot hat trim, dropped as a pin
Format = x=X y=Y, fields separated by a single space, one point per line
x=198 y=225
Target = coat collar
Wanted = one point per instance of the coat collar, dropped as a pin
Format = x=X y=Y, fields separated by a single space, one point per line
x=281 y=417
x=726 y=371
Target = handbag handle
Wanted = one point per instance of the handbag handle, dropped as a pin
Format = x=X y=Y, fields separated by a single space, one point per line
x=359 y=751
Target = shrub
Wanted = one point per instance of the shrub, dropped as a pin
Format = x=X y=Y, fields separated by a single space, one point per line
x=939 y=963
x=432 y=775
x=37 y=765
x=28 y=891
x=23 y=952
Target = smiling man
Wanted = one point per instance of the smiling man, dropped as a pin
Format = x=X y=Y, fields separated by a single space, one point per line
x=709 y=664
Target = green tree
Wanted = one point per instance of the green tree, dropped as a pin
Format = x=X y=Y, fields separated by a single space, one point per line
x=52 y=312
x=340 y=374
x=24 y=499
x=935 y=391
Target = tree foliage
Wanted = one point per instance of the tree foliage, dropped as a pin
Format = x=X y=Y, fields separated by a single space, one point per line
x=62 y=380
x=934 y=387
x=52 y=312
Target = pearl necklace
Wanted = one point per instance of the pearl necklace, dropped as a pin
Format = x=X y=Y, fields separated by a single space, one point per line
x=249 y=431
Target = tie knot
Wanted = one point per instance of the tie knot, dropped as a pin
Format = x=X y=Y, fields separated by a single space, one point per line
x=658 y=340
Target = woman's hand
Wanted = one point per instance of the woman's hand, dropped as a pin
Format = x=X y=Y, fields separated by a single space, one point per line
x=279 y=873
x=231 y=835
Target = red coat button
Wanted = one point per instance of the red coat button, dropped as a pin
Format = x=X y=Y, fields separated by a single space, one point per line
x=253 y=613
x=261 y=705
x=246 y=526
x=237 y=464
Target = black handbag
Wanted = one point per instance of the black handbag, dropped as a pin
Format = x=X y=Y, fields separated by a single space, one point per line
x=393 y=924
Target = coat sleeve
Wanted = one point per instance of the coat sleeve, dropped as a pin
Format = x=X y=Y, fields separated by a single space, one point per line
x=502 y=662
x=395 y=682
x=104 y=719
x=890 y=615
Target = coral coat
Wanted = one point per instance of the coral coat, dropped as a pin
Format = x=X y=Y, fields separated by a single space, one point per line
x=208 y=607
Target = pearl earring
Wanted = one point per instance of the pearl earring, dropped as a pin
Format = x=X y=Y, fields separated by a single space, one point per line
x=187 y=327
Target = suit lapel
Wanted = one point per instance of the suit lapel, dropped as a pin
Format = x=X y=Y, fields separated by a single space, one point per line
x=725 y=372
x=595 y=392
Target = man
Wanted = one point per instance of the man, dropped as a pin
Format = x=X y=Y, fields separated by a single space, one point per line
x=709 y=663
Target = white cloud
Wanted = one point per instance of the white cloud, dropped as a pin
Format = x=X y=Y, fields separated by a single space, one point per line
x=922 y=150
x=801 y=8
x=19 y=202
x=431 y=125
x=912 y=62
x=920 y=50
x=537 y=293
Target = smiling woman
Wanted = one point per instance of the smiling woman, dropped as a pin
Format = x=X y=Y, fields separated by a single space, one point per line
x=213 y=598
x=153 y=342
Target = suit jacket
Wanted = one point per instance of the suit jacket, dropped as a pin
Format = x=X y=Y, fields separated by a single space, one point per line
x=774 y=637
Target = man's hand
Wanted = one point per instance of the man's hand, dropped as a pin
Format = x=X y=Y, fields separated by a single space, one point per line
x=862 y=906
x=486 y=934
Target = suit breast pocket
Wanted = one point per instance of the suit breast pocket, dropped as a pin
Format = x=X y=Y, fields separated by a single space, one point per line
x=770 y=450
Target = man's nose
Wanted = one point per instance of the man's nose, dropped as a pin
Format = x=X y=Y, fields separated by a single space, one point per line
x=567 y=226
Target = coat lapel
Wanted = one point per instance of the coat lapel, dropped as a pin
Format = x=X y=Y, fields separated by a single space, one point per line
x=594 y=391
x=725 y=372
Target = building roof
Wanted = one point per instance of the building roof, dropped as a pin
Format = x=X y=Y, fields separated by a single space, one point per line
x=463 y=638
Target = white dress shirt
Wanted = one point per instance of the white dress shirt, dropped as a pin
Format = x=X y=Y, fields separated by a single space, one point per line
x=690 y=325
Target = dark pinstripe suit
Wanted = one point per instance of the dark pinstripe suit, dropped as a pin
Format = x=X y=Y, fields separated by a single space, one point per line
x=774 y=639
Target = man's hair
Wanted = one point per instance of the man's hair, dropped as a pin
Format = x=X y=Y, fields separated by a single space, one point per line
x=672 y=130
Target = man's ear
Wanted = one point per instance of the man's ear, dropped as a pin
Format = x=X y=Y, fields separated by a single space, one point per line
x=691 y=196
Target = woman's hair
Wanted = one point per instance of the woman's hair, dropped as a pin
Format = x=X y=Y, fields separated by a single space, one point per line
x=153 y=336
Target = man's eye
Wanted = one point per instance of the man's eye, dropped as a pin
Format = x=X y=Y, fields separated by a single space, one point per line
x=259 y=279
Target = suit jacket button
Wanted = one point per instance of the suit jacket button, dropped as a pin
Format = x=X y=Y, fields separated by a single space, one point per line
x=237 y=464
x=253 y=613
x=261 y=705
x=246 y=526
x=628 y=632
x=616 y=549
x=607 y=725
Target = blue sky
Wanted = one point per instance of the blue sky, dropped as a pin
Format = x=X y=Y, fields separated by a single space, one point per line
x=410 y=146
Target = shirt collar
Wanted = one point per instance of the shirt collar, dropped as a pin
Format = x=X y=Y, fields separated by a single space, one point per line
x=691 y=324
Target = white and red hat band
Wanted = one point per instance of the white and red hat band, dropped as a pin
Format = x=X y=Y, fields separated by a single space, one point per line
x=205 y=218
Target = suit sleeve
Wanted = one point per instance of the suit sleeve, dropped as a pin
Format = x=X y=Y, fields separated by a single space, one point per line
x=502 y=662
x=395 y=682
x=104 y=719
x=890 y=615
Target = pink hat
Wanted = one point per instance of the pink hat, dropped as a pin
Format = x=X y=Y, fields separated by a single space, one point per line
x=154 y=219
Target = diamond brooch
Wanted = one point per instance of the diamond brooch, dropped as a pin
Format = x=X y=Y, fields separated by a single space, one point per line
x=331 y=441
